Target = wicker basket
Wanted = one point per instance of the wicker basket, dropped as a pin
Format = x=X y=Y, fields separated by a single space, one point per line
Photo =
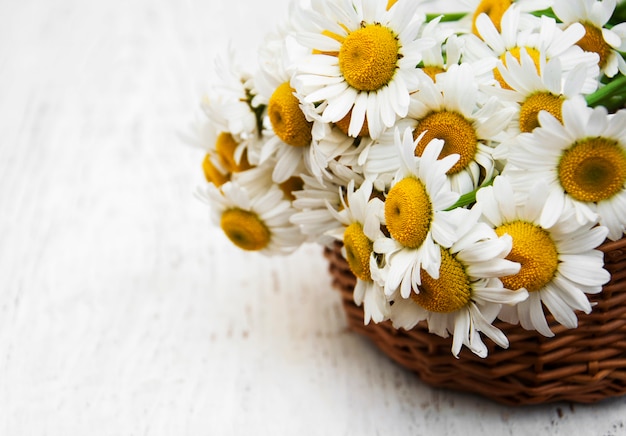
x=583 y=365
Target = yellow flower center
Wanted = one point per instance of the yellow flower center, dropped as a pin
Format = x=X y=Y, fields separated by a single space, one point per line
x=594 y=41
x=534 y=250
x=450 y=292
x=288 y=121
x=494 y=10
x=593 y=170
x=457 y=133
x=245 y=229
x=516 y=52
x=408 y=212
x=432 y=71
x=344 y=125
x=225 y=147
x=290 y=185
x=368 y=57
x=535 y=103
x=212 y=174
x=358 y=251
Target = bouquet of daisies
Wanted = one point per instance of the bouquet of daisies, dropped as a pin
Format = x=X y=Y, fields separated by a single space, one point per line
x=470 y=161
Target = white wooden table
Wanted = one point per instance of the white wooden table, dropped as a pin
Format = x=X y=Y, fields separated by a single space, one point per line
x=122 y=310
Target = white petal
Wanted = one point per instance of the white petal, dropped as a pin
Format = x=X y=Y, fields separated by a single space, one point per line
x=461 y=329
x=561 y=311
x=583 y=269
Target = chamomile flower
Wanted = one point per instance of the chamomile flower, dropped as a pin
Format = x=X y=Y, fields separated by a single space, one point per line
x=594 y=15
x=416 y=216
x=545 y=38
x=559 y=263
x=221 y=151
x=228 y=103
x=467 y=295
x=287 y=128
x=258 y=179
x=535 y=91
x=495 y=9
x=361 y=217
x=362 y=63
x=452 y=110
x=582 y=160
x=380 y=160
x=332 y=143
x=254 y=223
x=230 y=109
x=446 y=51
x=316 y=199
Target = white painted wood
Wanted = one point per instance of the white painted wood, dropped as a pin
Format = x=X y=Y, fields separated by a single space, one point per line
x=122 y=310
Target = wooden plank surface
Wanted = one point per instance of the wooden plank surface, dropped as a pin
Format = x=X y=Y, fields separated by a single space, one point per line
x=122 y=310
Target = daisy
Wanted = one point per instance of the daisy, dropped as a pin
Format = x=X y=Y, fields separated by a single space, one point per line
x=258 y=179
x=287 y=128
x=415 y=215
x=221 y=152
x=331 y=142
x=254 y=223
x=446 y=51
x=451 y=110
x=495 y=9
x=545 y=89
x=380 y=160
x=315 y=200
x=361 y=216
x=362 y=63
x=559 y=263
x=582 y=160
x=594 y=15
x=544 y=37
x=229 y=107
x=467 y=295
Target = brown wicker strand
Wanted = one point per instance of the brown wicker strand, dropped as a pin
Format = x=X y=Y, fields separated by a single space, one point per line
x=584 y=365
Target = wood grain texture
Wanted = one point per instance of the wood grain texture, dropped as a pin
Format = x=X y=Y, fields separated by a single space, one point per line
x=122 y=310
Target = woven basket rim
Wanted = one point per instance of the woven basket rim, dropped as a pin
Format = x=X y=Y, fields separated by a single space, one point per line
x=582 y=365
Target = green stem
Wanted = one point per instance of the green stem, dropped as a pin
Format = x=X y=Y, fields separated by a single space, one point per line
x=470 y=197
x=612 y=95
x=546 y=12
x=455 y=16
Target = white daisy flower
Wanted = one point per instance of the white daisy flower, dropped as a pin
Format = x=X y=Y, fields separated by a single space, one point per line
x=446 y=51
x=230 y=108
x=467 y=295
x=331 y=142
x=452 y=110
x=495 y=9
x=254 y=223
x=361 y=217
x=258 y=179
x=582 y=160
x=535 y=91
x=559 y=263
x=416 y=216
x=546 y=38
x=380 y=160
x=201 y=135
x=228 y=103
x=287 y=128
x=363 y=62
x=224 y=156
x=594 y=15
x=316 y=199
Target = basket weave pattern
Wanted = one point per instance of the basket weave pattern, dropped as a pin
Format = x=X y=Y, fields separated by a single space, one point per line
x=585 y=365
